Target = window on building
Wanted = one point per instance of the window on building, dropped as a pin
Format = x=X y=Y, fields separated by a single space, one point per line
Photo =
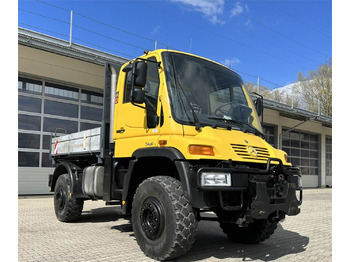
x=29 y=104
x=28 y=122
x=61 y=109
x=44 y=107
x=45 y=160
x=303 y=150
x=51 y=124
x=29 y=85
x=59 y=91
x=86 y=126
x=91 y=97
x=91 y=113
x=29 y=159
x=270 y=133
x=28 y=140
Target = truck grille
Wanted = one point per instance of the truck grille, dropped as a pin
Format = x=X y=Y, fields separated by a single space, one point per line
x=245 y=151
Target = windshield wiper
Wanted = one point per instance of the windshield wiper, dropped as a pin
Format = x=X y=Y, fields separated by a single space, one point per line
x=255 y=131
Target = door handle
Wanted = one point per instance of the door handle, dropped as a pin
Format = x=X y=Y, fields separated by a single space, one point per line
x=121 y=131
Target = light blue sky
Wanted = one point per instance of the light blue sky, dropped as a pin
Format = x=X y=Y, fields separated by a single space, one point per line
x=267 y=38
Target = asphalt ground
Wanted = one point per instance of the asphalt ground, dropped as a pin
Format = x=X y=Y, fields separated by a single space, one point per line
x=102 y=235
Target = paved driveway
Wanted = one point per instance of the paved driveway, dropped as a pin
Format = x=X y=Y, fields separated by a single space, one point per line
x=102 y=235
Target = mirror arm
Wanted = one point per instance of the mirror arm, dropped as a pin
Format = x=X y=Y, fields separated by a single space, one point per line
x=262 y=109
x=143 y=107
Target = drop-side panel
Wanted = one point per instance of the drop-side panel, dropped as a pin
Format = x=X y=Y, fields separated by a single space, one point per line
x=83 y=142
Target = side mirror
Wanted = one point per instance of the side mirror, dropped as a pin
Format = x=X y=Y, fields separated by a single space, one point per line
x=259 y=105
x=152 y=119
x=140 y=73
x=138 y=95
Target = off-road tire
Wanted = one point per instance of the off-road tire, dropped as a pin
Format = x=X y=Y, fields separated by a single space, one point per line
x=163 y=221
x=256 y=232
x=67 y=207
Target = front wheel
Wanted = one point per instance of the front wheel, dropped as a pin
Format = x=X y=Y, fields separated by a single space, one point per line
x=164 y=222
x=67 y=207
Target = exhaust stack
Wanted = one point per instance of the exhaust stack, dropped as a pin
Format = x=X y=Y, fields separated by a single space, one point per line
x=112 y=101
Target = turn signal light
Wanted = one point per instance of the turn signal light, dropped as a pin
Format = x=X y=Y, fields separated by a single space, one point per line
x=162 y=142
x=201 y=150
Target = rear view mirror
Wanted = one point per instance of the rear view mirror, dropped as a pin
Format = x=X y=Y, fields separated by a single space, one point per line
x=140 y=73
x=138 y=96
x=152 y=119
x=259 y=105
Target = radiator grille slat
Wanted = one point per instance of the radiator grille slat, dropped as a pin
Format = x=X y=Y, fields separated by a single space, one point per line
x=242 y=151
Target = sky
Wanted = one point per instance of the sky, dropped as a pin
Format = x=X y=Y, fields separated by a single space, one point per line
x=269 y=39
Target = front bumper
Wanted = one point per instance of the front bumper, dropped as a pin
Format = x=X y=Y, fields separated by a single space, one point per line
x=251 y=191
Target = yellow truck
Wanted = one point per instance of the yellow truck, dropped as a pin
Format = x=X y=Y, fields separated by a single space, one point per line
x=180 y=137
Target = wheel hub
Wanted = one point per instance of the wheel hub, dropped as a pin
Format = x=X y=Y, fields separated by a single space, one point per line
x=152 y=218
x=60 y=199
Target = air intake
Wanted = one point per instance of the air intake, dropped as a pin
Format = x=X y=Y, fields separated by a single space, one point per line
x=251 y=152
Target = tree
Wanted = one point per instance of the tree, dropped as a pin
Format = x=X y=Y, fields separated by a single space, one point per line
x=263 y=90
x=316 y=88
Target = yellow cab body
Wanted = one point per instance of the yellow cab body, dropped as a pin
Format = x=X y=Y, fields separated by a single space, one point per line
x=215 y=140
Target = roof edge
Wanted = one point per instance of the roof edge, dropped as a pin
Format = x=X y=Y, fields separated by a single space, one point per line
x=59 y=46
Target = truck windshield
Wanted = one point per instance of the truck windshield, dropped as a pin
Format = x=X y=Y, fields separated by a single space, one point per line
x=208 y=93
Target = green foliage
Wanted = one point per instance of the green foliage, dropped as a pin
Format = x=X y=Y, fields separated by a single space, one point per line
x=312 y=92
x=316 y=88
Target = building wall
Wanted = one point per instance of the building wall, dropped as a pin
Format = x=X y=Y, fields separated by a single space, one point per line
x=66 y=70
x=272 y=117
x=85 y=79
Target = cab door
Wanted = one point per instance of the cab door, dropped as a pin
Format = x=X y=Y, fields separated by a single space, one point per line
x=130 y=130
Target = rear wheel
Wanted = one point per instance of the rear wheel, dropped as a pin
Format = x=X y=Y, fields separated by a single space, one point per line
x=67 y=207
x=256 y=232
x=163 y=221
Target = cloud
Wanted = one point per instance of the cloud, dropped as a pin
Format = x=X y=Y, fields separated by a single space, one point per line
x=231 y=61
x=209 y=8
x=239 y=9
x=155 y=30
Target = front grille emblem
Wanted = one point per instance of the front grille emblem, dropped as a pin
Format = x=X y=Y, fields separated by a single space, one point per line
x=252 y=151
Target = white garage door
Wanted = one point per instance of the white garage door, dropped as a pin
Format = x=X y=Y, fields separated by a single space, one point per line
x=303 y=150
x=43 y=107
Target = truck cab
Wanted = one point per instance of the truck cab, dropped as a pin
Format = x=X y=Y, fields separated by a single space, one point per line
x=180 y=136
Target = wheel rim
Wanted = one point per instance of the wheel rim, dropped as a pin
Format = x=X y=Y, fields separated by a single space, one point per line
x=60 y=198
x=152 y=218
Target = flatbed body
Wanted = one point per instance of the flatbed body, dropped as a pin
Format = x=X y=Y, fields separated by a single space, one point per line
x=85 y=142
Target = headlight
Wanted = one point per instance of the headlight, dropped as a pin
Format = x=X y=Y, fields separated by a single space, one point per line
x=215 y=179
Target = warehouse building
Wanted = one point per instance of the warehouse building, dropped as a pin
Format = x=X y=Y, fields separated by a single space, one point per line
x=61 y=85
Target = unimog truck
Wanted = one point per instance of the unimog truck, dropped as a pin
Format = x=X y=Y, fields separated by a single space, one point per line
x=180 y=136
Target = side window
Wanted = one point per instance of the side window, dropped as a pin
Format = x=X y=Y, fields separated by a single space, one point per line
x=127 y=88
x=152 y=84
x=151 y=88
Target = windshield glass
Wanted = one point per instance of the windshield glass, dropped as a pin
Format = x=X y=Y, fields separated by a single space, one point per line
x=208 y=93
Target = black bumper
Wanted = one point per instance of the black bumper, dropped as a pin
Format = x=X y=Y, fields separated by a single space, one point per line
x=251 y=193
